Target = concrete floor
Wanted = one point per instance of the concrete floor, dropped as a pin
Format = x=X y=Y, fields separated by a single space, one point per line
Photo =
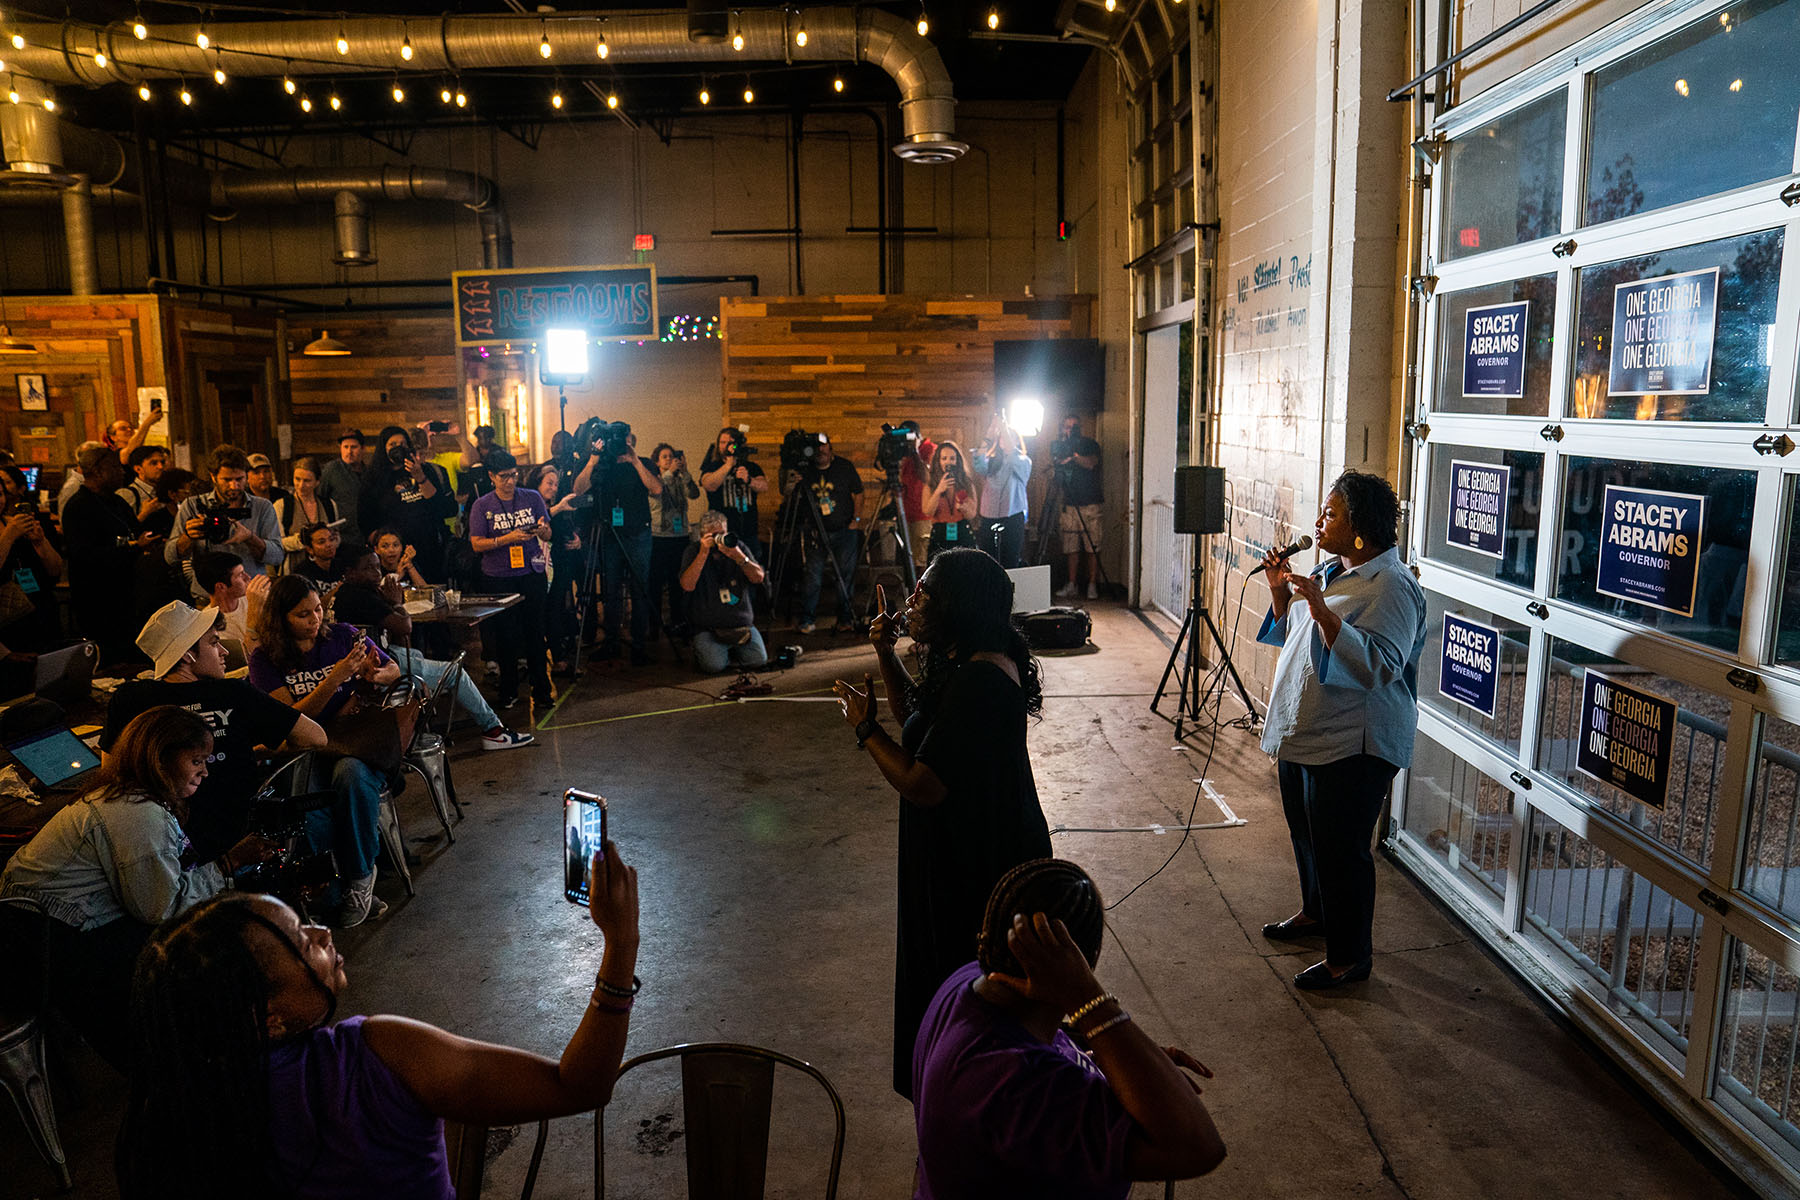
x=765 y=845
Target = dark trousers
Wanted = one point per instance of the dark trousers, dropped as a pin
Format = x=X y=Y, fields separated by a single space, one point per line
x=1004 y=539
x=842 y=550
x=519 y=632
x=617 y=554
x=1331 y=809
x=665 y=577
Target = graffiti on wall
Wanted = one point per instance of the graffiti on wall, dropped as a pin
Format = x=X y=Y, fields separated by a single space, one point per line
x=1254 y=317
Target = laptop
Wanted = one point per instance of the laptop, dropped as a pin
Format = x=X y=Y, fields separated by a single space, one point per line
x=65 y=675
x=55 y=760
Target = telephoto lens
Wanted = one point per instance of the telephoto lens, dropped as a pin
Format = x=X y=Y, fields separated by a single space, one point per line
x=728 y=541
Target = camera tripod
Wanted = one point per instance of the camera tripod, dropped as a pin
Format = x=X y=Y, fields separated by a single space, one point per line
x=790 y=536
x=587 y=589
x=892 y=491
x=1188 y=707
x=1052 y=528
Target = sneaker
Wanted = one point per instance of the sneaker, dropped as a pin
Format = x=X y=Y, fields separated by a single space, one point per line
x=505 y=702
x=502 y=738
x=1093 y=592
x=805 y=627
x=361 y=903
x=1066 y=590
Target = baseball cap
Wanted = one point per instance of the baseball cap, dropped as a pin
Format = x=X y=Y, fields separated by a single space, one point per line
x=172 y=631
x=353 y=435
x=260 y=460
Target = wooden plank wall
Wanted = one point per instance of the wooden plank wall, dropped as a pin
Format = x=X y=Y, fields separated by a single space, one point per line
x=402 y=370
x=843 y=365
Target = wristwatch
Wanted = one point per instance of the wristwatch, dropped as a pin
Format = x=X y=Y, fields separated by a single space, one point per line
x=865 y=729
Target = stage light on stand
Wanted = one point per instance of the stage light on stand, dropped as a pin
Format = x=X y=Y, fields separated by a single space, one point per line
x=564 y=357
x=1025 y=415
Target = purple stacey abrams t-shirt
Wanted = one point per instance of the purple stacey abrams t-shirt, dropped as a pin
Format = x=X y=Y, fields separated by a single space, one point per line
x=1000 y=1113
x=491 y=517
x=333 y=643
x=345 y=1126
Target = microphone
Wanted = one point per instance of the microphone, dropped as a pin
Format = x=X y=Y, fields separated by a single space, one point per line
x=1287 y=552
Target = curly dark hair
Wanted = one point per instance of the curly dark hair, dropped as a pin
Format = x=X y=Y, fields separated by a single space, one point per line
x=1055 y=887
x=1374 y=508
x=971 y=598
x=275 y=638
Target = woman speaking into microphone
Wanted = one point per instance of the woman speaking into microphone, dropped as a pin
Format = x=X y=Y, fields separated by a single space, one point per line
x=1343 y=709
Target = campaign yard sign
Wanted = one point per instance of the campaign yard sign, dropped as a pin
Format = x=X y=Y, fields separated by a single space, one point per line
x=1494 y=350
x=1478 y=494
x=1627 y=738
x=1650 y=547
x=1470 y=671
x=1662 y=335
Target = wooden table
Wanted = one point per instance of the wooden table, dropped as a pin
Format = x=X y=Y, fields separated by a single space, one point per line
x=472 y=611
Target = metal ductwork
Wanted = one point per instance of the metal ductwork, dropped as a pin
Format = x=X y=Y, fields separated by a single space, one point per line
x=64 y=53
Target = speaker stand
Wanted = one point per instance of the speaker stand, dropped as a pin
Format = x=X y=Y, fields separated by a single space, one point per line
x=1189 y=702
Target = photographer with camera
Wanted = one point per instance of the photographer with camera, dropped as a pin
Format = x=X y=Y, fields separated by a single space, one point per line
x=102 y=543
x=914 y=471
x=1004 y=469
x=411 y=496
x=30 y=565
x=950 y=506
x=509 y=528
x=1077 y=460
x=732 y=482
x=317 y=667
x=669 y=540
x=835 y=484
x=717 y=575
x=228 y=518
x=114 y=864
x=622 y=484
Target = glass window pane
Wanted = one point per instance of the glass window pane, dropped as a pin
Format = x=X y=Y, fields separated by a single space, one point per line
x=1749 y=272
x=1519 y=532
x=1462 y=817
x=1757 y=1052
x=1632 y=944
x=1509 y=693
x=1730 y=497
x=1503 y=182
x=1657 y=115
x=1685 y=822
x=1540 y=327
x=1787 y=631
x=1772 y=844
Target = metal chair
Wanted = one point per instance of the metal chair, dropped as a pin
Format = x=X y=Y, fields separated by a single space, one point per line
x=22 y=1070
x=727 y=1091
x=300 y=773
x=426 y=757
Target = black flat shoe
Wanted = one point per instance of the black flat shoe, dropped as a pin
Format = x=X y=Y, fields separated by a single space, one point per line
x=1291 y=930
x=1318 y=977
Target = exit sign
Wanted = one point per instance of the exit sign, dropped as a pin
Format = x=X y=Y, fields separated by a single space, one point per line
x=644 y=241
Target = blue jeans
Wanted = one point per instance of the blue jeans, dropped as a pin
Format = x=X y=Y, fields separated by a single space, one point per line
x=430 y=672
x=349 y=827
x=614 y=559
x=843 y=549
x=712 y=656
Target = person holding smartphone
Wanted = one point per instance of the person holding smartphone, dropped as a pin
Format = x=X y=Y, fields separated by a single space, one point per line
x=247 y=1070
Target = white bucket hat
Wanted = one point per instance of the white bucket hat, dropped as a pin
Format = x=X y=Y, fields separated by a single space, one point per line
x=172 y=631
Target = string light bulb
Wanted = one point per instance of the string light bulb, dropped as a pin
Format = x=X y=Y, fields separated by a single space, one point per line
x=705 y=95
x=924 y=25
x=187 y=97
x=49 y=104
x=343 y=43
x=994 y=18
x=200 y=38
x=100 y=59
x=544 y=50
x=219 y=75
x=139 y=30
x=600 y=46
x=18 y=41
x=143 y=91
x=1112 y=5
x=462 y=98
x=406 y=48
x=837 y=83
x=399 y=93
x=12 y=94
x=335 y=103
x=800 y=35
x=288 y=85
x=556 y=100
x=749 y=94
x=305 y=103
x=444 y=94
x=612 y=99
x=737 y=32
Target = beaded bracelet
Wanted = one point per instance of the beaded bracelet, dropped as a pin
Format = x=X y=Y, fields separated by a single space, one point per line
x=637 y=985
x=594 y=1002
x=1105 y=1025
x=1070 y=1021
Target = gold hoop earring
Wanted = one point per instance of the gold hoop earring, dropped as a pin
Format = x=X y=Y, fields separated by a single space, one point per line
x=1359 y=543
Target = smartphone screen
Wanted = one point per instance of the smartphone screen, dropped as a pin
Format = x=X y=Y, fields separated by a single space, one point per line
x=584 y=831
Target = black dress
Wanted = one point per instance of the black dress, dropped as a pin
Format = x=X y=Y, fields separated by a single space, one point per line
x=953 y=854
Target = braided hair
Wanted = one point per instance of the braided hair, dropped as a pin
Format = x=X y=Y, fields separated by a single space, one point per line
x=971 y=600
x=1055 y=887
x=197 y=1121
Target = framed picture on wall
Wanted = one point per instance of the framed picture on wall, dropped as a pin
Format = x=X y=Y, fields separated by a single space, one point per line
x=33 y=395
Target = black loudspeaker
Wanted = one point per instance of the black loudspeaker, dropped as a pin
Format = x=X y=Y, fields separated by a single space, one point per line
x=1199 y=499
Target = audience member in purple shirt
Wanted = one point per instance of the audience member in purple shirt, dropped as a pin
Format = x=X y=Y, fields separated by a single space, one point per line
x=303 y=661
x=1007 y=1104
x=244 y=1086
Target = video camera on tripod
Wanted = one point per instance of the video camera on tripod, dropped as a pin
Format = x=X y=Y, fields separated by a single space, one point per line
x=800 y=449
x=896 y=444
x=282 y=819
x=610 y=438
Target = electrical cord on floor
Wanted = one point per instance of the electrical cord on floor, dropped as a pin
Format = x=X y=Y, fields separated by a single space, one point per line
x=1214 y=679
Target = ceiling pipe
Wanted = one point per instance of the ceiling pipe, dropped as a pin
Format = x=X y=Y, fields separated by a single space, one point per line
x=78 y=232
x=64 y=53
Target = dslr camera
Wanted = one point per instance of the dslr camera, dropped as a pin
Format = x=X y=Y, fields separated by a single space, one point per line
x=800 y=449
x=282 y=819
x=610 y=438
x=740 y=448
x=896 y=444
x=218 y=518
